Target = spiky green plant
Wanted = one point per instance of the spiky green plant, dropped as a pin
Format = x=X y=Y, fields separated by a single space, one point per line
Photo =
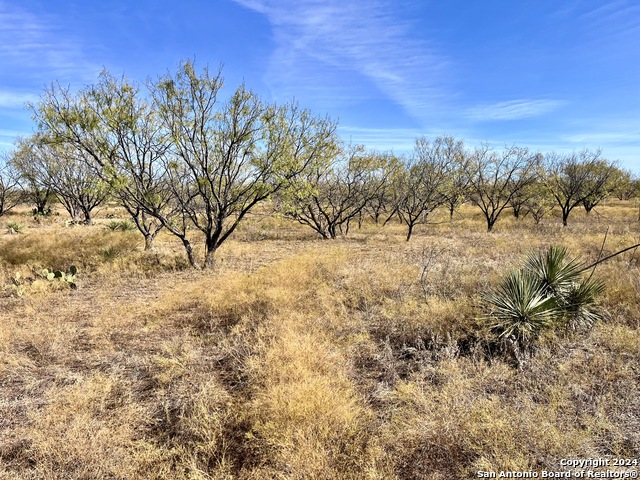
x=561 y=278
x=113 y=225
x=548 y=292
x=556 y=275
x=120 y=225
x=579 y=304
x=521 y=307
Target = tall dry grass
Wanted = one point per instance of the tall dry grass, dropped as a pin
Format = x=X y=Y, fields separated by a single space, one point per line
x=304 y=359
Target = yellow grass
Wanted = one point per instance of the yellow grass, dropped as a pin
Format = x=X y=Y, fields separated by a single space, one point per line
x=306 y=359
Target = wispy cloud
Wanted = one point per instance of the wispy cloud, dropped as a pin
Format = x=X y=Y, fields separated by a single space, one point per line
x=15 y=99
x=614 y=10
x=400 y=140
x=369 y=40
x=513 y=109
x=8 y=138
x=38 y=46
x=613 y=22
x=613 y=18
x=604 y=138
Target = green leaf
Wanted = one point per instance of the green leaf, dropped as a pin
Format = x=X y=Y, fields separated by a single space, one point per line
x=521 y=307
x=556 y=274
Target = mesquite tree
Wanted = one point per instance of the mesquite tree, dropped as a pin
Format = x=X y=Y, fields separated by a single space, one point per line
x=600 y=183
x=577 y=178
x=331 y=194
x=38 y=193
x=456 y=186
x=225 y=159
x=179 y=157
x=496 y=177
x=424 y=180
x=65 y=170
x=132 y=152
x=121 y=139
x=538 y=202
x=625 y=184
x=10 y=194
x=381 y=205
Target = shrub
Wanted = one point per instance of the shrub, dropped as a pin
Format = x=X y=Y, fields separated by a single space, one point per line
x=548 y=292
x=15 y=227
x=521 y=307
x=121 y=225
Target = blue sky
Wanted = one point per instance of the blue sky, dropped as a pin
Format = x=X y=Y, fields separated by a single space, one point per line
x=544 y=74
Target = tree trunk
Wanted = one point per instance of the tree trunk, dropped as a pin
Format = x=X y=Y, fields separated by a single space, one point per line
x=145 y=227
x=490 y=223
x=410 y=225
x=41 y=205
x=73 y=211
x=190 y=255
x=148 y=242
x=210 y=260
x=210 y=255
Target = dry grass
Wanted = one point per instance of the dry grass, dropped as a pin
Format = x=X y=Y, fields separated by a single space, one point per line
x=306 y=359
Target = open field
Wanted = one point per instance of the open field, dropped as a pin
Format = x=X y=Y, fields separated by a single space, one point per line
x=301 y=358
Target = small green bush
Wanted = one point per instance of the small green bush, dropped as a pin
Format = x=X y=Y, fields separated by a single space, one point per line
x=548 y=292
x=15 y=227
x=121 y=226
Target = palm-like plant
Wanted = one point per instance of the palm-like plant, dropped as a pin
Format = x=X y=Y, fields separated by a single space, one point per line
x=555 y=274
x=521 y=307
x=547 y=292
x=579 y=304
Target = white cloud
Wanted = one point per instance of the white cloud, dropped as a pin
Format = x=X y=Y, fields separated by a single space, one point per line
x=513 y=109
x=13 y=99
x=37 y=46
x=611 y=10
x=397 y=139
x=366 y=39
x=603 y=138
x=10 y=135
x=8 y=138
x=400 y=140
